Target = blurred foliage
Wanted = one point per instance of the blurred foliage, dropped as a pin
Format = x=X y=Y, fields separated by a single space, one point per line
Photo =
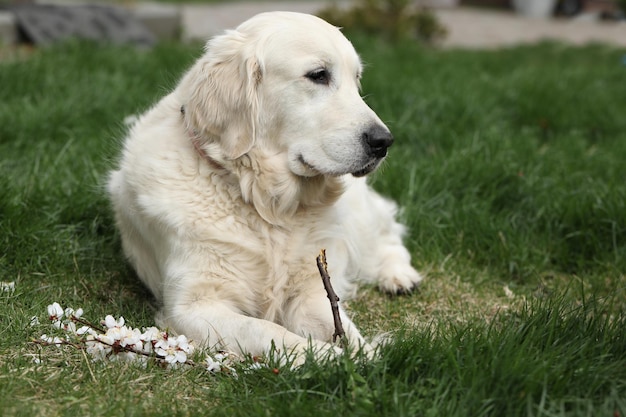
x=396 y=19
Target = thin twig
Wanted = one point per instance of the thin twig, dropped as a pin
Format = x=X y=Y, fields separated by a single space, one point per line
x=88 y=324
x=59 y=343
x=115 y=347
x=119 y=348
x=332 y=296
x=93 y=377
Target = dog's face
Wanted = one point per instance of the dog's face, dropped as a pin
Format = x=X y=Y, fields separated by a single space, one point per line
x=293 y=82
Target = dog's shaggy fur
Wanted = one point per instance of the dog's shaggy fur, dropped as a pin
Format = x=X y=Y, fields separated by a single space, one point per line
x=229 y=187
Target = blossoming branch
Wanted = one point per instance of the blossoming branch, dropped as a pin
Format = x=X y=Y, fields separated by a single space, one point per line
x=113 y=340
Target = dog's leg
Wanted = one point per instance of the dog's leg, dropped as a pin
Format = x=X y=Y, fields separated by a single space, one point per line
x=382 y=257
x=395 y=273
x=311 y=316
x=217 y=326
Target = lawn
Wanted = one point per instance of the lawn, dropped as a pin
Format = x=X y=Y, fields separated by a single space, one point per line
x=509 y=166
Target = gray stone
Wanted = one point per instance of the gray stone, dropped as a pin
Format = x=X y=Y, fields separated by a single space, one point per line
x=163 y=20
x=8 y=29
x=43 y=24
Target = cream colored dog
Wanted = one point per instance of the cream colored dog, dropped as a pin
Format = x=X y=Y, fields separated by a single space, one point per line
x=229 y=187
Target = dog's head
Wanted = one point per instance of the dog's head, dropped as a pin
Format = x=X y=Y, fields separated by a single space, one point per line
x=287 y=83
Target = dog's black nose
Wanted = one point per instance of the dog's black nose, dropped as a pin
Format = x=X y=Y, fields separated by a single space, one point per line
x=377 y=139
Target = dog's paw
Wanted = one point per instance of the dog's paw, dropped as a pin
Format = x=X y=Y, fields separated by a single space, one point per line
x=399 y=279
x=317 y=351
x=368 y=350
x=326 y=351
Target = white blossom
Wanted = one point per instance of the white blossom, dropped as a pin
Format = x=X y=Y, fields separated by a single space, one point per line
x=173 y=350
x=51 y=340
x=85 y=330
x=110 y=322
x=151 y=333
x=131 y=337
x=70 y=313
x=107 y=338
x=69 y=326
x=55 y=312
x=212 y=365
x=98 y=351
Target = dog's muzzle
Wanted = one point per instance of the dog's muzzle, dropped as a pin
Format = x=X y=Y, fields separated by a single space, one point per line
x=376 y=140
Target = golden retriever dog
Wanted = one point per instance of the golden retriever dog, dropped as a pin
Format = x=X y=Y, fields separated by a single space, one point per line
x=229 y=187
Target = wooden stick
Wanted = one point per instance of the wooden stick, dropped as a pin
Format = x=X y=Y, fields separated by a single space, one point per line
x=332 y=296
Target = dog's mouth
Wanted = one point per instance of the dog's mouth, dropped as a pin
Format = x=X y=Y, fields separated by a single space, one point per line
x=309 y=169
x=370 y=166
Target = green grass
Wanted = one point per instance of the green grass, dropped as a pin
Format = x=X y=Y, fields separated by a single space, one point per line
x=510 y=168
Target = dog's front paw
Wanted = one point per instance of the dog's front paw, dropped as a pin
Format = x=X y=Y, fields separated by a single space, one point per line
x=317 y=351
x=399 y=278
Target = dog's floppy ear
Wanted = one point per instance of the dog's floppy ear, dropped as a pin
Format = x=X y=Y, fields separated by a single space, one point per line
x=221 y=94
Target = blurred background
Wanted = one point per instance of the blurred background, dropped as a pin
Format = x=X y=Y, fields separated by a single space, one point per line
x=464 y=23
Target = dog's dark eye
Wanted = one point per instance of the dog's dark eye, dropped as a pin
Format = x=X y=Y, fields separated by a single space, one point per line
x=319 y=76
